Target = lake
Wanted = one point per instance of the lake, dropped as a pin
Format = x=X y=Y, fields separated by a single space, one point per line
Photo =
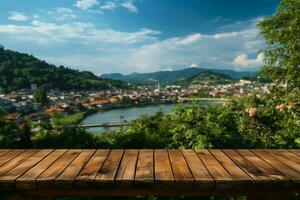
x=129 y=114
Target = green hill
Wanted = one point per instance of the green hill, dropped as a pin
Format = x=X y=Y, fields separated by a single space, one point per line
x=209 y=77
x=20 y=70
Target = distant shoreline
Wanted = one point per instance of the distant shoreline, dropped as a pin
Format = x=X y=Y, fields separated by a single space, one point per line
x=91 y=112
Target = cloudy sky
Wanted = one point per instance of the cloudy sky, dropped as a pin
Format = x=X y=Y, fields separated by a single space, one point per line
x=108 y=36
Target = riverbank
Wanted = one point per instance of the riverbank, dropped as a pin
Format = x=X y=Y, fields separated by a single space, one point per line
x=132 y=113
x=79 y=117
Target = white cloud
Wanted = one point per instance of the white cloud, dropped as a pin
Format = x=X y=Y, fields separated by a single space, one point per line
x=86 y=4
x=106 y=50
x=242 y=61
x=84 y=33
x=129 y=5
x=190 y=39
x=110 y=5
x=193 y=65
x=63 y=13
x=16 y=16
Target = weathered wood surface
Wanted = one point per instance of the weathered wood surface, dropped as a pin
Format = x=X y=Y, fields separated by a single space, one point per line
x=149 y=172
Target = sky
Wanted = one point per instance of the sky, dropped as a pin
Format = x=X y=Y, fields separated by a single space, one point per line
x=126 y=36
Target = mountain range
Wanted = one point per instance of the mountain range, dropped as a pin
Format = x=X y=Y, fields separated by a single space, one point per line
x=174 y=76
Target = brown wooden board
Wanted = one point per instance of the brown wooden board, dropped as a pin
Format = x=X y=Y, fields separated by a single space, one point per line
x=181 y=171
x=8 y=179
x=108 y=171
x=265 y=167
x=241 y=179
x=27 y=180
x=260 y=178
x=90 y=170
x=280 y=166
x=3 y=151
x=172 y=172
x=221 y=176
x=9 y=156
x=201 y=175
x=295 y=151
x=126 y=172
x=286 y=157
x=66 y=178
x=145 y=168
x=48 y=177
x=17 y=161
x=163 y=171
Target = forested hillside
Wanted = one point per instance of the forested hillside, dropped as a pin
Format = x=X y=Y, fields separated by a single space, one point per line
x=19 y=70
x=208 y=77
x=174 y=76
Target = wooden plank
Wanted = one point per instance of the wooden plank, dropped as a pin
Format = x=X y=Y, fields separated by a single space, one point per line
x=3 y=151
x=10 y=155
x=69 y=174
x=221 y=176
x=266 y=168
x=126 y=172
x=295 y=151
x=201 y=175
x=280 y=166
x=247 y=166
x=90 y=170
x=181 y=171
x=145 y=168
x=8 y=179
x=239 y=176
x=47 y=178
x=286 y=157
x=163 y=173
x=108 y=171
x=27 y=181
x=17 y=160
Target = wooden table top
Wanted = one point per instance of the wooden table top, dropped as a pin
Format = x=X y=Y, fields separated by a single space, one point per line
x=77 y=168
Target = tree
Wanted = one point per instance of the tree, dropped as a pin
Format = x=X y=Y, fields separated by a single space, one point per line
x=40 y=95
x=282 y=34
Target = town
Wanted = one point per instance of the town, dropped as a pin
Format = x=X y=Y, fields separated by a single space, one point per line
x=21 y=103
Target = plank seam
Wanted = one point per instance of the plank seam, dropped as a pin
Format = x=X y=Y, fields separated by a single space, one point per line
x=67 y=166
x=273 y=165
x=84 y=164
x=49 y=166
x=119 y=164
x=94 y=179
x=215 y=182
x=33 y=165
x=274 y=180
x=238 y=165
x=6 y=151
x=13 y=157
x=188 y=167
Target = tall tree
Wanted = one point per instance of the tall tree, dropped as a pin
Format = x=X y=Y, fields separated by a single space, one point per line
x=40 y=95
x=282 y=34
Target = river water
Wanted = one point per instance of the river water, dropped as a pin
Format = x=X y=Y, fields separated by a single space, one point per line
x=129 y=114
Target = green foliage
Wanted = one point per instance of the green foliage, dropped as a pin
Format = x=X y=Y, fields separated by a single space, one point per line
x=58 y=119
x=281 y=31
x=19 y=71
x=66 y=137
x=40 y=96
x=209 y=77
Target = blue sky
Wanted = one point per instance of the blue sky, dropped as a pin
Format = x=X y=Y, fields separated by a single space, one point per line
x=108 y=36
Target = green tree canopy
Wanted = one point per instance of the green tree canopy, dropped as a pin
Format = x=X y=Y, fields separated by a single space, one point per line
x=40 y=95
x=282 y=34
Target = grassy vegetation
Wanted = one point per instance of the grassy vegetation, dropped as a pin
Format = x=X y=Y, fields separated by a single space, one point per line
x=72 y=119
